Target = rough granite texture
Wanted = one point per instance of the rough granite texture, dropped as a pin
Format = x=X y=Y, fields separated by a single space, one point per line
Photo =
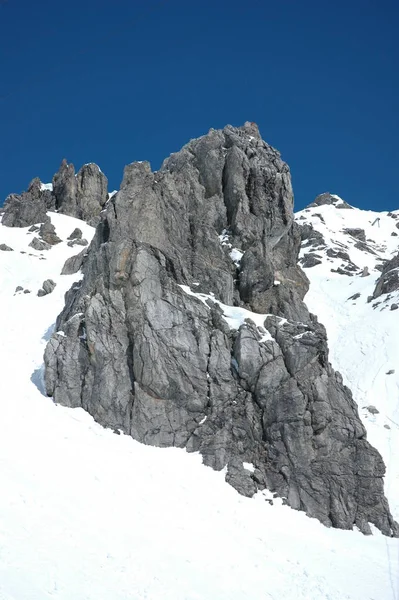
x=389 y=279
x=28 y=208
x=82 y=196
x=143 y=356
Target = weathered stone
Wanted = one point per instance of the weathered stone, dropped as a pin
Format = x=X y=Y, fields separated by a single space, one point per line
x=389 y=279
x=76 y=234
x=144 y=356
x=357 y=233
x=372 y=409
x=327 y=198
x=26 y=209
x=47 y=233
x=47 y=287
x=6 y=248
x=310 y=260
x=82 y=196
x=38 y=244
x=73 y=264
x=78 y=242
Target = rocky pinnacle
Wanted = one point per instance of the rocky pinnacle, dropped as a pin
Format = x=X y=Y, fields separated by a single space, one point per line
x=143 y=354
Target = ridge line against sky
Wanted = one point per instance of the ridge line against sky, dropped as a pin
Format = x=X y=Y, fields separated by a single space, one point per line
x=320 y=81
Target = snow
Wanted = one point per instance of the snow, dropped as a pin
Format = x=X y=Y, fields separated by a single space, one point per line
x=363 y=340
x=235 y=316
x=46 y=186
x=235 y=254
x=249 y=467
x=86 y=514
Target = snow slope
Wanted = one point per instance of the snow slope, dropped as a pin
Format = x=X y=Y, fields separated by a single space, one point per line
x=86 y=514
x=362 y=336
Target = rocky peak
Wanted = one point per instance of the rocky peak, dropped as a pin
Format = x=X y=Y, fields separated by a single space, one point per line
x=28 y=208
x=327 y=198
x=189 y=329
x=82 y=196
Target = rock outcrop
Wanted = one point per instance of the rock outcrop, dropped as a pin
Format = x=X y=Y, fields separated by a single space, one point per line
x=389 y=280
x=189 y=329
x=47 y=287
x=28 y=208
x=73 y=264
x=82 y=196
x=327 y=198
x=48 y=234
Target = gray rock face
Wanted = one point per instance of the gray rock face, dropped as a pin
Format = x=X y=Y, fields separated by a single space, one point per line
x=389 y=279
x=47 y=287
x=357 y=233
x=83 y=196
x=26 y=209
x=310 y=260
x=78 y=242
x=76 y=234
x=143 y=354
x=47 y=233
x=6 y=248
x=38 y=244
x=73 y=264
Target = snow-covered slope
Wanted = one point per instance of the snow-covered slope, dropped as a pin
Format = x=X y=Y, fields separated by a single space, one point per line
x=91 y=515
x=362 y=333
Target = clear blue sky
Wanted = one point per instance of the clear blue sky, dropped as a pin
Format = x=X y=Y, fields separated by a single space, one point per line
x=113 y=81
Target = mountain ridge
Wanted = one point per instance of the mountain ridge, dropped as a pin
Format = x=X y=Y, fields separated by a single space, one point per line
x=144 y=356
x=83 y=506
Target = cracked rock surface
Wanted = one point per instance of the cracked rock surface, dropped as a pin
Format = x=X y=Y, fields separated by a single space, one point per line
x=389 y=280
x=146 y=345
x=82 y=196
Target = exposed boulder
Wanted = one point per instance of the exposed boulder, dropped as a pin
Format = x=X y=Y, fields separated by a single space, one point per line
x=73 y=264
x=47 y=233
x=76 y=234
x=310 y=260
x=357 y=233
x=38 y=244
x=6 y=248
x=149 y=352
x=78 y=242
x=47 y=287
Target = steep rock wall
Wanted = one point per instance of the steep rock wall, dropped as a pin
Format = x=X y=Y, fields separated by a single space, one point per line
x=189 y=329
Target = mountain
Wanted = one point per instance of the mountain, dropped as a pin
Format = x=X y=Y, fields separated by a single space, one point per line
x=192 y=278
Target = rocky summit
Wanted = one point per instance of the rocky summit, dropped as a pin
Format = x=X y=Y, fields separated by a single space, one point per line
x=189 y=329
x=82 y=196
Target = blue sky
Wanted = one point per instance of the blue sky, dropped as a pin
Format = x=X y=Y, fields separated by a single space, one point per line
x=116 y=81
